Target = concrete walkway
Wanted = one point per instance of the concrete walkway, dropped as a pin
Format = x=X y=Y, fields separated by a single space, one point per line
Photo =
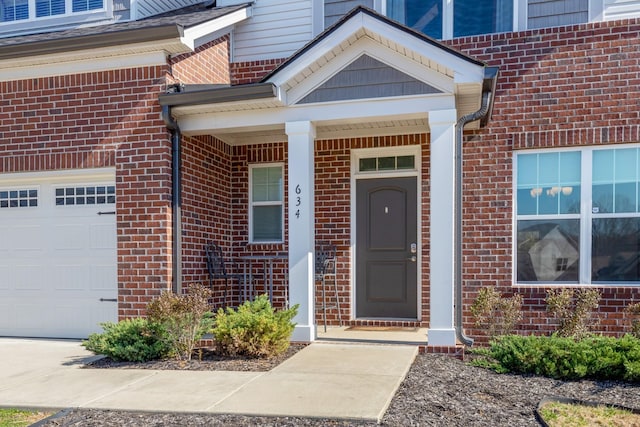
x=351 y=381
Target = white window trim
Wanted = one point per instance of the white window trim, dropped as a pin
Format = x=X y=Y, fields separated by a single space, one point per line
x=585 y=217
x=252 y=204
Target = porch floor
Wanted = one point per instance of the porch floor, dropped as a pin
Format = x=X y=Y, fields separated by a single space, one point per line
x=373 y=334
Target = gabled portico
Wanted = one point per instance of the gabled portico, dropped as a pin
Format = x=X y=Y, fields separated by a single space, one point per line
x=365 y=76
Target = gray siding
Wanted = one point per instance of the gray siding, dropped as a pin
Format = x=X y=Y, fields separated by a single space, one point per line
x=553 y=13
x=366 y=78
x=336 y=9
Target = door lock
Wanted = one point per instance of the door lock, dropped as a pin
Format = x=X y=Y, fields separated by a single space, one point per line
x=414 y=248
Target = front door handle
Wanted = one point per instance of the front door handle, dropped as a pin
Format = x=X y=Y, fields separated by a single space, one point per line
x=412 y=258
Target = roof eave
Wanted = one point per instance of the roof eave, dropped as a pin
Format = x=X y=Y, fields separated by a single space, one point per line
x=90 y=42
x=220 y=95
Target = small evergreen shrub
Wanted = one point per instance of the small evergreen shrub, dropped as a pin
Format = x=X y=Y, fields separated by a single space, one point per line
x=254 y=330
x=596 y=357
x=495 y=314
x=633 y=311
x=573 y=310
x=184 y=318
x=132 y=340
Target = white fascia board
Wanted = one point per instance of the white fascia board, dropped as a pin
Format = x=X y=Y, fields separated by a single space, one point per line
x=361 y=110
x=465 y=71
x=87 y=65
x=200 y=34
x=377 y=51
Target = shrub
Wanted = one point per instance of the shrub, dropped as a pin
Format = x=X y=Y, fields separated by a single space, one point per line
x=633 y=311
x=254 y=330
x=185 y=318
x=597 y=357
x=573 y=310
x=132 y=340
x=495 y=314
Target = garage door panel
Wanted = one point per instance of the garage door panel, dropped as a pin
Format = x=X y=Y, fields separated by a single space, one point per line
x=4 y=283
x=70 y=236
x=75 y=277
x=103 y=237
x=102 y=279
x=26 y=238
x=27 y=277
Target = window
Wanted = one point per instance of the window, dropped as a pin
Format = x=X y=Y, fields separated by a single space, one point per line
x=578 y=216
x=470 y=17
x=92 y=195
x=266 y=203
x=387 y=163
x=16 y=10
x=13 y=10
x=19 y=198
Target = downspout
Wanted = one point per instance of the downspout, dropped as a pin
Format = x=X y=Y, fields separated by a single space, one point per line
x=488 y=91
x=176 y=194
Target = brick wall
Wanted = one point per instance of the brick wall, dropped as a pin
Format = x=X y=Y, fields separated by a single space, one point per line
x=252 y=71
x=209 y=64
x=206 y=206
x=97 y=120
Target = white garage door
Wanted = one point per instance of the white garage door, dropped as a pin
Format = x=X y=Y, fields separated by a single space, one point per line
x=57 y=254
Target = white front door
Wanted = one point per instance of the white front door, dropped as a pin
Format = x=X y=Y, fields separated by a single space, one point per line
x=58 y=274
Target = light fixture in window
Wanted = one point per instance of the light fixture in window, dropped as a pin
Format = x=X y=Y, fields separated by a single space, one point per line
x=535 y=192
x=567 y=191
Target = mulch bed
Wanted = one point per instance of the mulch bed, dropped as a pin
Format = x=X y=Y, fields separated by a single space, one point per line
x=206 y=359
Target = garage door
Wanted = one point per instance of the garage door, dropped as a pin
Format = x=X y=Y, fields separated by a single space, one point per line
x=57 y=254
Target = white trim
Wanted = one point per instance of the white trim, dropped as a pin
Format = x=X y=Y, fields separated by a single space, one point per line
x=410 y=107
x=356 y=155
x=251 y=204
x=59 y=66
x=59 y=176
x=520 y=15
x=317 y=17
x=596 y=10
x=204 y=33
x=585 y=217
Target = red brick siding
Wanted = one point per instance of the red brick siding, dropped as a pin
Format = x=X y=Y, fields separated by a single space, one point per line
x=94 y=120
x=558 y=87
x=252 y=71
x=206 y=206
x=209 y=64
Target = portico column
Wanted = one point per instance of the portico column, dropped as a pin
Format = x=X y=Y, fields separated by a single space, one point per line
x=442 y=228
x=301 y=136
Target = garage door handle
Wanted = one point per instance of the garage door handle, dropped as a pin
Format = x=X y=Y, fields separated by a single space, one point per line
x=107 y=213
x=108 y=299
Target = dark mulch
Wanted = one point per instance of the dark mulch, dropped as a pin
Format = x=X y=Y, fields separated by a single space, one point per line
x=438 y=391
x=206 y=359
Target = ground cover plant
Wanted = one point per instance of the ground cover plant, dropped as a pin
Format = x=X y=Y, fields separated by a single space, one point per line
x=557 y=414
x=10 y=417
x=594 y=357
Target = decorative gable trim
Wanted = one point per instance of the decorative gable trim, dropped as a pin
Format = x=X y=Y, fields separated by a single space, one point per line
x=367 y=77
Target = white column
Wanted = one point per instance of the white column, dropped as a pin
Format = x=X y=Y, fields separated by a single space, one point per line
x=442 y=228
x=301 y=136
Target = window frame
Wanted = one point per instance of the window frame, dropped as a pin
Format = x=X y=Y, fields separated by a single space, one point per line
x=252 y=168
x=585 y=216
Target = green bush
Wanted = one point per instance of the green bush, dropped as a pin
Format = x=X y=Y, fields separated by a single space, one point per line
x=595 y=357
x=132 y=340
x=185 y=319
x=254 y=330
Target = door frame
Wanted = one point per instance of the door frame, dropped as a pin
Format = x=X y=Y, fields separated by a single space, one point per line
x=356 y=155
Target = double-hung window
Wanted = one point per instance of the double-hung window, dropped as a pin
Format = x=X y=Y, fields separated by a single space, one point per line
x=266 y=209
x=464 y=18
x=578 y=216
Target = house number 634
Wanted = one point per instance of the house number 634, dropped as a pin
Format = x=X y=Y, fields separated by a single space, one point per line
x=298 y=200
